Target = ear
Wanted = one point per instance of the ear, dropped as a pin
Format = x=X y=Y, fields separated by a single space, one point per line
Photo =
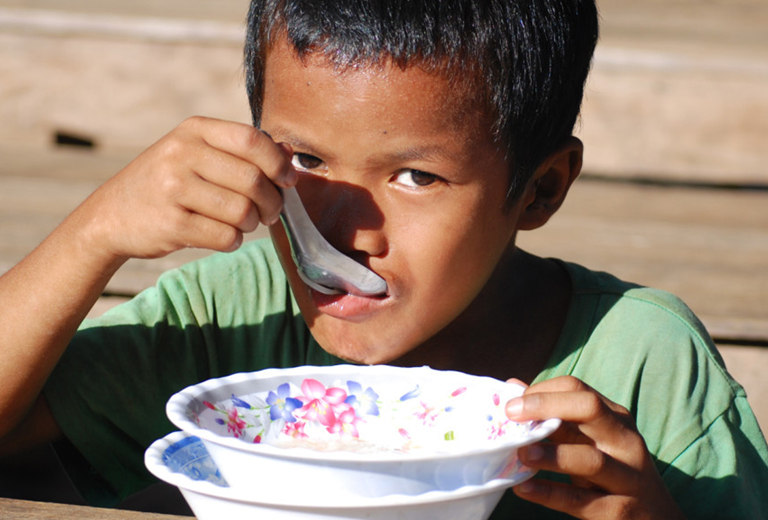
x=549 y=184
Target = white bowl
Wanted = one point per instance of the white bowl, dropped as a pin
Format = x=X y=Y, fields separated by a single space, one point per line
x=380 y=429
x=182 y=461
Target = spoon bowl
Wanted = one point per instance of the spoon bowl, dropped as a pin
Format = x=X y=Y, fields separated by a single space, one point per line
x=320 y=265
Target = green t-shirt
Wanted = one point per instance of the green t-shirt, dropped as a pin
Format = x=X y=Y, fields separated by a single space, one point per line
x=234 y=312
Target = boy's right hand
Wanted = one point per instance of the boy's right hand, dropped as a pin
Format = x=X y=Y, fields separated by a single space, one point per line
x=202 y=185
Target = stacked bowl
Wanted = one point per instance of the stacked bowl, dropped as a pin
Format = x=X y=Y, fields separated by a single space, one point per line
x=346 y=442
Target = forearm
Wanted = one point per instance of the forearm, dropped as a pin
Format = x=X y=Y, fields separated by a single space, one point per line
x=203 y=185
x=45 y=298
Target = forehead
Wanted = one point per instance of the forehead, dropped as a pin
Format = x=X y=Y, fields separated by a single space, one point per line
x=383 y=91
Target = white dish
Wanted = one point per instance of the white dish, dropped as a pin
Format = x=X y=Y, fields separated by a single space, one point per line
x=382 y=430
x=182 y=461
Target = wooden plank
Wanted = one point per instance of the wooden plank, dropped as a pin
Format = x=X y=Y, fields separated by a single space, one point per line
x=12 y=509
x=747 y=364
x=709 y=247
x=677 y=88
x=231 y=11
x=123 y=93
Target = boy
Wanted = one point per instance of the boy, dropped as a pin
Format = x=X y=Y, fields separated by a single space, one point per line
x=422 y=136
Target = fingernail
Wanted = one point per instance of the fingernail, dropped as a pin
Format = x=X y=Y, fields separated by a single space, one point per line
x=514 y=407
x=237 y=243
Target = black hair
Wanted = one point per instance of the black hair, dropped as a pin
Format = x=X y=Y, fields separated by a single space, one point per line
x=529 y=59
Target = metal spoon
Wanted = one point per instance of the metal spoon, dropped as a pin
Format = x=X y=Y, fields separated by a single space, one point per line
x=319 y=264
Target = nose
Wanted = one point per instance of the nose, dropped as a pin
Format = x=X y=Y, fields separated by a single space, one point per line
x=346 y=215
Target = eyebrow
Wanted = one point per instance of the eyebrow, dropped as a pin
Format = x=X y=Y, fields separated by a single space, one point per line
x=411 y=153
x=416 y=153
x=294 y=141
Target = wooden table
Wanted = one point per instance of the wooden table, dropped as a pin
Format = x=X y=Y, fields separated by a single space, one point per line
x=11 y=509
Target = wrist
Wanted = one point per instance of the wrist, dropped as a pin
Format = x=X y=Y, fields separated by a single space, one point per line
x=89 y=242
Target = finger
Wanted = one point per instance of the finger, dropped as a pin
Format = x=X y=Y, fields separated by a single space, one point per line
x=570 y=384
x=515 y=407
x=604 y=422
x=248 y=143
x=580 y=460
x=573 y=500
x=217 y=203
x=559 y=384
x=610 y=430
x=570 y=433
x=203 y=232
x=244 y=178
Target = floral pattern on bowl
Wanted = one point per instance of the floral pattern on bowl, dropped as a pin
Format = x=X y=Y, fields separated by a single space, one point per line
x=354 y=416
x=356 y=431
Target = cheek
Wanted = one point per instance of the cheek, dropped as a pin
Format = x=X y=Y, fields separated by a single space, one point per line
x=448 y=261
x=468 y=228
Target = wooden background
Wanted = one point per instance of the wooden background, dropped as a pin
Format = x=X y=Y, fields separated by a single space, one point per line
x=675 y=189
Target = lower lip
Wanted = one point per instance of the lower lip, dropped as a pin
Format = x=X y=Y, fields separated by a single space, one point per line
x=348 y=306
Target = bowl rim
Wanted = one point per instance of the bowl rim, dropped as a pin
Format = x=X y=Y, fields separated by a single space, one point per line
x=154 y=463
x=176 y=406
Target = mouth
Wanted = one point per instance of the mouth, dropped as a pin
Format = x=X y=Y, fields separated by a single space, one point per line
x=349 y=306
x=326 y=282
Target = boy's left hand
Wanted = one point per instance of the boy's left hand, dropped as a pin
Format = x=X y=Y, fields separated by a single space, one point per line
x=598 y=445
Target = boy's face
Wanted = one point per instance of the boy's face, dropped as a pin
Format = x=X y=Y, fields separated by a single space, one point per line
x=399 y=170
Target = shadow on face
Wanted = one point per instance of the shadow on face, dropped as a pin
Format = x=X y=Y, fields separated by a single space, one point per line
x=340 y=210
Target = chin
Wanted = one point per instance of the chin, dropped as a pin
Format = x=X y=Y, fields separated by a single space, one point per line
x=362 y=352
x=360 y=356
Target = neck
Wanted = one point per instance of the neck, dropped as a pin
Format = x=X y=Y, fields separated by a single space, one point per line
x=510 y=329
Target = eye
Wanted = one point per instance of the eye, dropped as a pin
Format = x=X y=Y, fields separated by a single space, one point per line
x=415 y=178
x=304 y=161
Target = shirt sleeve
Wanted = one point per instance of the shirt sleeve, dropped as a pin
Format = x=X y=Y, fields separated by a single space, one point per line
x=732 y=485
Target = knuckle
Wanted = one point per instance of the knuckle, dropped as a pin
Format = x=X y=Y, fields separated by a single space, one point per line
x=272 y=158
x=172 y=148
x=243 y=212
x=573 y=381
x=192 y=122
x=636 y=445
x=171 y=184
x=252 y=138
x=624 y=415
x=574 y=384
x=597 y=464
x=227 y=238
x=254 y=181
x=593 y=406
